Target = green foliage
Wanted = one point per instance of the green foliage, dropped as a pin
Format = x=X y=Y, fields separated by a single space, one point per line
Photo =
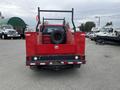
x=82 y=27
x=87 y=26
x=109 y=23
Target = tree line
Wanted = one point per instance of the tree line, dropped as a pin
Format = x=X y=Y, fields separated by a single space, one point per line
x=86 y=27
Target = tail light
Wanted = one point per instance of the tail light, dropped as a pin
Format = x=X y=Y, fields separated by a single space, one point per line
x=28 y=58
x=82 y=57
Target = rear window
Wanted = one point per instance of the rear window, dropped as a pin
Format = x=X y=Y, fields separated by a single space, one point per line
x=49 y=29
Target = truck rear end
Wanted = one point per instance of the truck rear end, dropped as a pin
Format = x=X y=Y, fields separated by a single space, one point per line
x=55 y=46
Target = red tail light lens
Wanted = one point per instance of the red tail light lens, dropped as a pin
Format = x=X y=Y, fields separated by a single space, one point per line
x=28 y=58
x=82 y=57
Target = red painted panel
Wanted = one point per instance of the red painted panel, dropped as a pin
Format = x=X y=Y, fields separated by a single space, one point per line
x=51 y=49
x=80 y=42
x=46 y=39
x=34 y=45
x=31 y=41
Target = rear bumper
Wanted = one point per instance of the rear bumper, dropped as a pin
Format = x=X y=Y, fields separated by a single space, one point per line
x=55 y=60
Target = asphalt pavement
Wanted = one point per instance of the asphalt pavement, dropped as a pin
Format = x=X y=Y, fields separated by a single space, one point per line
x=101 y=72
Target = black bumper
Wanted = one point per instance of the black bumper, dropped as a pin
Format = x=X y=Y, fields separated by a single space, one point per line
x=66 y=59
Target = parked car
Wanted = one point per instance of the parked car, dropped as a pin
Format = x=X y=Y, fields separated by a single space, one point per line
x=93 y=32
x=87 y=34
x=7 y=32
x=108 y=34
x=92 y=35
x=112 y=32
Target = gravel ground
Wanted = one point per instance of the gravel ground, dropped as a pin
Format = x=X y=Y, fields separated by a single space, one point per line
x=102 y=71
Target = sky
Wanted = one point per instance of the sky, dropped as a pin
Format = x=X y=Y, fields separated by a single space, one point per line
x=85 y=10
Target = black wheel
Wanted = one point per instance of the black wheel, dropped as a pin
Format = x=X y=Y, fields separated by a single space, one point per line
x=77 y=66
x=58 y=37
x=3 y=36
x=20 y=37
x=117 y=34
x=101 y=42
x=33 y=67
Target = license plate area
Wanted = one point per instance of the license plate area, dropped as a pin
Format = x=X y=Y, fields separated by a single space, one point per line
x=55 y=63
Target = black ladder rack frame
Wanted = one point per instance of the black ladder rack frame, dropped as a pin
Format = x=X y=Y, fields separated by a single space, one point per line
x=62 y=11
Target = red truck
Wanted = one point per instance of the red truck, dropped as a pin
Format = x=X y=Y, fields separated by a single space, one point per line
x=55 y=46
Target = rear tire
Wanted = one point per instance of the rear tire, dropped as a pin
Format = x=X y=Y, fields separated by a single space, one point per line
x=77 y=66
x=33 y=67
x=100 y=42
